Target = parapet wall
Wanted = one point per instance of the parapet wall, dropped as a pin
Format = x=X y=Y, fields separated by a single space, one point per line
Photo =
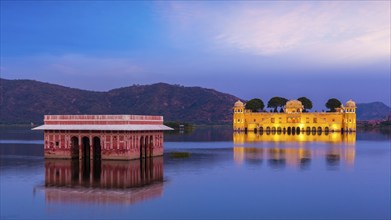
x=102 y=119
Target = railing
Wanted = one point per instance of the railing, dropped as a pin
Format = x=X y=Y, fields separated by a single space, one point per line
x=103 y=117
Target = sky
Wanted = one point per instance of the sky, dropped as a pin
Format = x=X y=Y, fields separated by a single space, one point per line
x=250 y=49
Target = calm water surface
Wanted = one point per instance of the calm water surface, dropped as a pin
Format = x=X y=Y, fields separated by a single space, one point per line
x=222 y=176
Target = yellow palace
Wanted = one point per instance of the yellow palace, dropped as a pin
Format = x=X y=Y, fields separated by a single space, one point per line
x=294 y=120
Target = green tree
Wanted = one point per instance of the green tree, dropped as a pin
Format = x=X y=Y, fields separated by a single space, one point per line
x=283 y=102
x=273 y=103
x=332 y=104
x=276 y=102
x=255 y=105
x=306 y=103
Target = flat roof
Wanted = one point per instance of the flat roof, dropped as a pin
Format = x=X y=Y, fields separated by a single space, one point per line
x=84 y=127
x=103 y=117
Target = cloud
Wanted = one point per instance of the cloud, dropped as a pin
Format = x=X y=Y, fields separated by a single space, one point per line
x=324 y=31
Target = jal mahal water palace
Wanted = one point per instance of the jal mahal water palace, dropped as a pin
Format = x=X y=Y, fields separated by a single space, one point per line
x=294 y=120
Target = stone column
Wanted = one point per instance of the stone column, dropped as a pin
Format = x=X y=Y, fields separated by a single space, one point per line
x=91 y=147
x=80 y=143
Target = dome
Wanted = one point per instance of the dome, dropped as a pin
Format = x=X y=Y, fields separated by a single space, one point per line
x=239 y=104
x=350 y=104
x=296 y=104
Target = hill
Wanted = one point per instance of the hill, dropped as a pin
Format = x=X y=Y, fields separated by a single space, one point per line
x=372 y=111
x=25 y=101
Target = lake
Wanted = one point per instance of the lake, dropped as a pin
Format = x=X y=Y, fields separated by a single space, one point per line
x=205 y=174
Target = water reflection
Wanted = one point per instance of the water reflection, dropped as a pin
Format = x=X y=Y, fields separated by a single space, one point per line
x=298 y=152
x=328 y=137
x=103 y=181
x=278 y=157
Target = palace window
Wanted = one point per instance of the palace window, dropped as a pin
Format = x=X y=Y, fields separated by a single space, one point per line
x=315 y=120
x=272 y=120
x=255 y=120
x=307 y=120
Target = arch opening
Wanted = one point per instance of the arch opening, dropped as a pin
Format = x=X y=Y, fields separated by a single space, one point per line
x=96 y=148
x=86 y=148
x=74 y=147
x=141 y=149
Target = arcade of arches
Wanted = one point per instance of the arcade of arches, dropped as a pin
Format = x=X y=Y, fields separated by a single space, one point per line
x=122 y=145
x=291 y=129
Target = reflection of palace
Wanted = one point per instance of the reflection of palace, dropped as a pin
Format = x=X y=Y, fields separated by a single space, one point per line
x=329 y=137
x=291 y=156
x=341 y=149
x=103 y=181
x=294 y=120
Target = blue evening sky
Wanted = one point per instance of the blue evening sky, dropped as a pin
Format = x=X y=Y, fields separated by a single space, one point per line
x=249 y=49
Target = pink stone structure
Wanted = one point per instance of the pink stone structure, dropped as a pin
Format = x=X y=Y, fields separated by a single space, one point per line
x=115 y=137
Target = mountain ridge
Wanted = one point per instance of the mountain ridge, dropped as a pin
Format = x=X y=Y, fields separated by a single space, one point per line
x=25 y=101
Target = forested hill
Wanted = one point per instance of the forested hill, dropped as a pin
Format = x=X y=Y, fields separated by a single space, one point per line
x=372 y=111
x=25 y=101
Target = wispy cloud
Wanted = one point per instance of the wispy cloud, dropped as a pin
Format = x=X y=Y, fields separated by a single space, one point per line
x=331 y=31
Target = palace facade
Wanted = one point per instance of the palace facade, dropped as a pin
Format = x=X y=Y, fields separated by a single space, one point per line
x=115 y=137
x=294 y=120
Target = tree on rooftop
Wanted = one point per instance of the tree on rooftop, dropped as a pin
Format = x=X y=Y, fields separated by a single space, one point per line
x=283 y=102
x=306 y=103
x=255 y=105
x=332 y=104
x=276 y=102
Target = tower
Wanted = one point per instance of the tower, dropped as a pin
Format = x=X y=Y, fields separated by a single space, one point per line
x=238 y=118
x=349 y=122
